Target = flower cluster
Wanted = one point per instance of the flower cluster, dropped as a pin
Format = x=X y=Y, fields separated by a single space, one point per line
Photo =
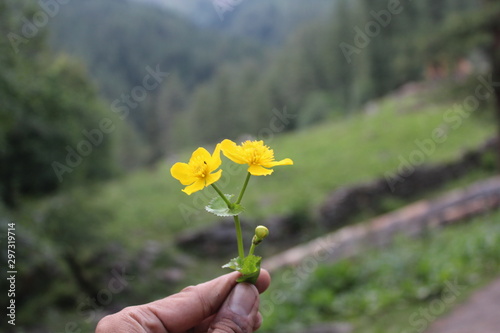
x=202 y=171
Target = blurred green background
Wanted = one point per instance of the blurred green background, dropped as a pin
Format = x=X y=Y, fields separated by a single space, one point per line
x=98 y=99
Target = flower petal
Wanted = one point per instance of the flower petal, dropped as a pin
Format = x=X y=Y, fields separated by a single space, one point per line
x=200 y=153
x=182 y=172
x=233 y=152
x=214 y=162
x=213 y=177
x=198 y=185
x=285 y=161
x=257 y=170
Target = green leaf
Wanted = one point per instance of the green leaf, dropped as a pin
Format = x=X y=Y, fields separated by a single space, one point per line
x=219 y=207
x=249 y=267
x=235 y=264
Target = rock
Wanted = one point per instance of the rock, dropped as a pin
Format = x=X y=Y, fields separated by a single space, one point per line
x=148 y=255
x=172 y=275
x=217 y=240
x=345 y=202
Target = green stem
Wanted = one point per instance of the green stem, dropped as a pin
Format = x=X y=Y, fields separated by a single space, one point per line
x=228 y=203
x=239 y=237
x=243 y=189
x=252 y=249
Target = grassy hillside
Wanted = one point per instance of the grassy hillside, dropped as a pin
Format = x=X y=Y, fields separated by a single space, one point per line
x=150 y=205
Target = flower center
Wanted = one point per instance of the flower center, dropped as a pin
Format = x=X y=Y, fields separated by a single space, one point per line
x=201 y=169
x=256 y=153
x=254 y=157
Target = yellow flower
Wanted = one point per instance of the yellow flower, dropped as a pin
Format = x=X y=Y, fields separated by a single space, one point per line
x=198 y=172
x=259 y=157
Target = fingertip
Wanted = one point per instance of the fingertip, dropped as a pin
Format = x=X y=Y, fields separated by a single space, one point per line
x=263 y=281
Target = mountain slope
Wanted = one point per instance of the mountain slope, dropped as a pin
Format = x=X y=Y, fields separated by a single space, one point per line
x=118 y=39
x=269 y=22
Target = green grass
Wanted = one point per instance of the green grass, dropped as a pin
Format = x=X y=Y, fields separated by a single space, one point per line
x=385 y=290
x=149 y=204
x=363 y=148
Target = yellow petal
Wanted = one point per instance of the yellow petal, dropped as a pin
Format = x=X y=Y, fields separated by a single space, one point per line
x=213 y=177
x=214 y=162
x=198 y=185
x=233 y=152
x=182 y=172
x=257 y=170
x=285 y=161
x=200 y=153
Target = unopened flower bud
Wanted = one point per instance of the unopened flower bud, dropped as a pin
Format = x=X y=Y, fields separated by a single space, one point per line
x=261 y=232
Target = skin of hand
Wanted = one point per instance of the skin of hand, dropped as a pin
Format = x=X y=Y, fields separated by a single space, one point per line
x=218 y=306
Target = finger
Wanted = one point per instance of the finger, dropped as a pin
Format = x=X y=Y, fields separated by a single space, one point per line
x=262 y=284
x=205 y=325
x=263 y=281
x=182 y=311
x=239 y=313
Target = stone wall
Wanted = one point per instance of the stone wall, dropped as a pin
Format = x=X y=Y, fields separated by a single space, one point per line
x=412 y=220
x=344 y=203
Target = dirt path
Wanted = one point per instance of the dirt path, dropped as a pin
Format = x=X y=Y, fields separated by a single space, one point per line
x=479 y=314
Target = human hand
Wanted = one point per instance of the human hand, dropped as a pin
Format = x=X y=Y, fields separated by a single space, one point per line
x=217 y=306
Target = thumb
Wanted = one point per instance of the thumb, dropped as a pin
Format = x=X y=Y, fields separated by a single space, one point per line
x=240 y=311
